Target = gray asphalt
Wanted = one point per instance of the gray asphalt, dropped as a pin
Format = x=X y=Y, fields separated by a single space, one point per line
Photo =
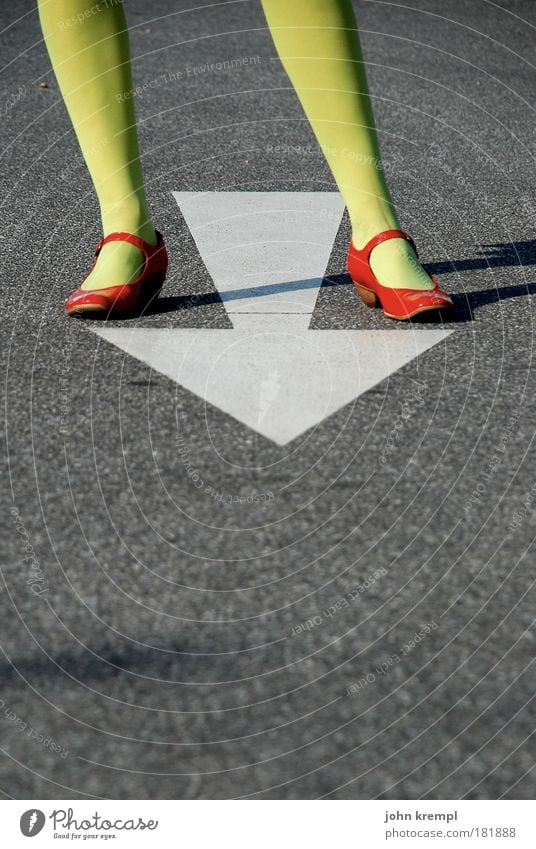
x=162 y=652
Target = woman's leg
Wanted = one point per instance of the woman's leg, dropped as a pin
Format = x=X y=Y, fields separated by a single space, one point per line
x=318 y=44
x=89 y=51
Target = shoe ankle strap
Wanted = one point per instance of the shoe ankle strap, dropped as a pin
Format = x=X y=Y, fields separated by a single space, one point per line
x=384 y=237
x=144 y=246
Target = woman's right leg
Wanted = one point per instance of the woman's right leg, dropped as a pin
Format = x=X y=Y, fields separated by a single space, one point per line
x=91 y=59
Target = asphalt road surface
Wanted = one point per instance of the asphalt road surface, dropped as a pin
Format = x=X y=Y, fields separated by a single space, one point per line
x=197 y=600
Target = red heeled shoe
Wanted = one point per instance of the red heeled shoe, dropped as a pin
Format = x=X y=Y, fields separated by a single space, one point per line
x=401 y=304
x=127 y=299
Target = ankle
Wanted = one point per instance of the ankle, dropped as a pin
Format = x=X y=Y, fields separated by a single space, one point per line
x=371 y=214
x=364 y=233
x=133 y=218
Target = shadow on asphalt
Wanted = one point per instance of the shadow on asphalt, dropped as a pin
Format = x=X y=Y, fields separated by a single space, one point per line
x=464 y=304
x=499 y=255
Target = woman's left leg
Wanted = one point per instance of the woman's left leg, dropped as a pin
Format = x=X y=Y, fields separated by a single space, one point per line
x=318 y=44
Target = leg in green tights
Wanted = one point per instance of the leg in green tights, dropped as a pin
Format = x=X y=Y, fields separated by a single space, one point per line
x=90 y=57
x=318 y=44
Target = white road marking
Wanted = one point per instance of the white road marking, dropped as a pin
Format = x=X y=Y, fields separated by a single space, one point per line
x=267 y=253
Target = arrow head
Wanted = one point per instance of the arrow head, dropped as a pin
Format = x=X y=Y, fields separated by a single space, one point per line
x=279 y=381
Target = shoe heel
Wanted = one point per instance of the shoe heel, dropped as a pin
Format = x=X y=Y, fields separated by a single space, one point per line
x=151 y=288
x=367 y=295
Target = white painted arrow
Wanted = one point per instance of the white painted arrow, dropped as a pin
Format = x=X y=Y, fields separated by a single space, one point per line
x=267 y=253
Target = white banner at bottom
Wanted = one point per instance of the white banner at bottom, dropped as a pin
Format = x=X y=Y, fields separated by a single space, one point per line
x=205 y=824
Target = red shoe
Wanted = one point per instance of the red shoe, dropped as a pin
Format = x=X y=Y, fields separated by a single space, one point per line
x=397 y=303
x=125 y=300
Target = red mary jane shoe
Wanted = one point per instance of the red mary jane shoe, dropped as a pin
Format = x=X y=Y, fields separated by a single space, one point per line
x=401 y=304
x=125 y=300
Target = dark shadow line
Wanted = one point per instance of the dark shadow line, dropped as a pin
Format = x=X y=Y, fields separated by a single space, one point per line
x=112 y=662
x=271 y=289
x=499 y=255
x=463 y=302
x=175 y=303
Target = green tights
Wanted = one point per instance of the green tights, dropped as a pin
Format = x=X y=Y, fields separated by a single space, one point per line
x=91 y=60
x=318 y=44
